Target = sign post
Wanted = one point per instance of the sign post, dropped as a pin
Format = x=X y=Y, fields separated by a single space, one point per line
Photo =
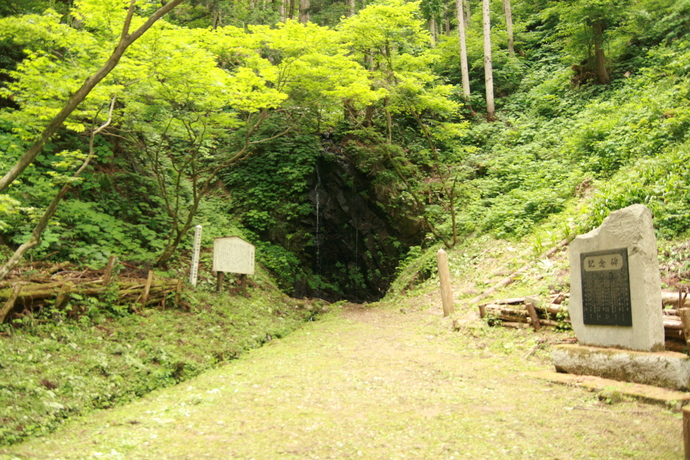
x=232 y=254
x=194 y=271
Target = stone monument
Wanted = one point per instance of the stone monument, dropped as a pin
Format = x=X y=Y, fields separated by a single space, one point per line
x=615 y=287
x=615 y=306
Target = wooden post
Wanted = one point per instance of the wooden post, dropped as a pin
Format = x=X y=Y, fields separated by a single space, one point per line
x=219 y=282
x=108 y=269
x=10 y=302
x=243 y=284
x=684 y=314
x=147 y=289
x=444 y=277
x=686 y=431
x=533 y=315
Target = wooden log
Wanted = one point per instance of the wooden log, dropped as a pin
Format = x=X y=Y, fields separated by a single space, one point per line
x=63 y=295
x=504 y=282
x=672 y=298
x=9 y=304
x=515 y=325
x=684 y=314
x=676 y=345
x=513 y=301
x=533 y=316
x=674 y=323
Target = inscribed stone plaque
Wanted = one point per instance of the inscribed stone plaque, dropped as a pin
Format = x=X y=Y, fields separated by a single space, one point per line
x=615 y=286
x=606 y=287
x=232 y=254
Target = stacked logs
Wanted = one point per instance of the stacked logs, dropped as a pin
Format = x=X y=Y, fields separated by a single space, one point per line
x=19 y=297
x=520 y=313
x=523 y=312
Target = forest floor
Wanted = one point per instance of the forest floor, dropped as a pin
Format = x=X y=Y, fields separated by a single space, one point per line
x=389 y=380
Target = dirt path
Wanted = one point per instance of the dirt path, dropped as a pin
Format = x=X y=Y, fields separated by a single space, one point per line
x=377 y=384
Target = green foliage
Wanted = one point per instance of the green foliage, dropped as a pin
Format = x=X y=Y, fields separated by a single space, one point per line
x=662 y=184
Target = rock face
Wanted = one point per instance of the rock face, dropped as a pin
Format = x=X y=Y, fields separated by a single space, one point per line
x=628 y=229
x=358 y=244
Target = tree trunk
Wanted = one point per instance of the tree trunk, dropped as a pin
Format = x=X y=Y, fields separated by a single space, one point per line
x=350 y=8
x=468 y=13
x=282 y=10
x=599 y=56
x=35 y=238
x=509 y=26
x=126 y=39
x=432 y=31
x=304 y=11
x=464 y=69
x=488 y=70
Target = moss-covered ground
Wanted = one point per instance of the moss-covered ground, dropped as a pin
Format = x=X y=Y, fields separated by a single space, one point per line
x=391 y=380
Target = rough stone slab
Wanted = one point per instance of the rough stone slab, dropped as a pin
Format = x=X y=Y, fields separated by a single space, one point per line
x=666 y=369
x=629 y=228
x=672 y=399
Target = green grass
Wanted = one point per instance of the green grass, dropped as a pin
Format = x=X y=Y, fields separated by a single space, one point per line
x=52 y=371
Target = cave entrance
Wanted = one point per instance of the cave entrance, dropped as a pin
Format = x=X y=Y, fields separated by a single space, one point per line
x=357 y=244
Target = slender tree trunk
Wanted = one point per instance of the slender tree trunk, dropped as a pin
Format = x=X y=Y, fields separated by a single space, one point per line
x=126 y=39
x=35 y=237
x=433 y=31
x=291 y=10
x=509 y=26
x=488 y=69
x=468 y=13
x=282 y=9
x=464 y=69
x=304 y=11
x=599 y=56
x=350 y=8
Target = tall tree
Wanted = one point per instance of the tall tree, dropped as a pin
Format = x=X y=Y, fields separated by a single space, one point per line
x=126 y=39
x=304 y=6
x=462 y=35
x=507 y=8
x=488 y=67
x=585 y=25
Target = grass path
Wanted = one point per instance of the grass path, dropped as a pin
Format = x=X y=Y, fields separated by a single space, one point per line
x=375 y=383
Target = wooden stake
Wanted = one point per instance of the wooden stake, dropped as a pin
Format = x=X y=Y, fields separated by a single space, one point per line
x=147 y=289
x=10 y=302
x=108 y=269
x=243 y=284
x=533 y=314
x=444 y=277
x=686 y=431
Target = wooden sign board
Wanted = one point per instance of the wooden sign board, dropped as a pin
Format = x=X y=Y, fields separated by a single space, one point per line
x=232 y=254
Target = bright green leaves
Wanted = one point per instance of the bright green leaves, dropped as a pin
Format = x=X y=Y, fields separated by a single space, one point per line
x=392 y=26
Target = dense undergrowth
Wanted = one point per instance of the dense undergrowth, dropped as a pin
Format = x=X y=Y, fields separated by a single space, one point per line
x=53 y=371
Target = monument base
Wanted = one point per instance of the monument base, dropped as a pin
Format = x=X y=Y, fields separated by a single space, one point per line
x=665 y=369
